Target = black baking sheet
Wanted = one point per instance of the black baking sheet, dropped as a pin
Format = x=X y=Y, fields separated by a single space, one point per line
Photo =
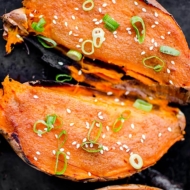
x=16 y=175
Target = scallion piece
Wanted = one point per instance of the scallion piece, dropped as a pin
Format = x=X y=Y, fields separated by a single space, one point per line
x=83 y=47
x=50 y=120
x=63 y=78
x=43 y=40
x=39 y=26
x=118 y=124
x=142 y=105
x=74 y=55
x=140 y=34
x=88 y=5
x=57 y=163
x=99 y=131
x=155 y=67
x=63 y=132
x=169 y=50
x=110 y=23
x=91 y=150
x=98 y=37
x=39 y=132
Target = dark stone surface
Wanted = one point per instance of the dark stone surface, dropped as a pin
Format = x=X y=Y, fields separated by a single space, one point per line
x=16 y=175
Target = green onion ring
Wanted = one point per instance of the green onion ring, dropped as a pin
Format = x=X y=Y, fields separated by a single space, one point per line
x=169 y=50
x=63 y=132
x=90 y=130
x=88 y=8
x=100 y=147
x=156 y=68
x=83 y=47
x=57 y=162
x=140 y=37
x=41 y=39
x=74 y=55
x=143 y=105
x=35 y=126
x=67 y=78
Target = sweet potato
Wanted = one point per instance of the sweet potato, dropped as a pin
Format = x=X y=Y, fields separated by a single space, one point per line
x=69 y=25
x=146 y=134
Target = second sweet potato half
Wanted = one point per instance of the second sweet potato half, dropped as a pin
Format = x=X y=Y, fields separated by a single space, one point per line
x=82 y=134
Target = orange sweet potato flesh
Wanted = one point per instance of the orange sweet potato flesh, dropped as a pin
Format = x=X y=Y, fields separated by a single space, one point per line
x=128 y=187
x=153 y=133
x=121 y=50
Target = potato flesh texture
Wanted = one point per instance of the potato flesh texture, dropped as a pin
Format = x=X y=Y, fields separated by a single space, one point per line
x=123 y=50
x=23 y=110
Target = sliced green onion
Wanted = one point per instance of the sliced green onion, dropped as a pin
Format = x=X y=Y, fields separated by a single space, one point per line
x=92 y=47
x=39 y=26
x=98 y=33
x=57 y=163
x=85 y=6
x=66 y=78
x=169 y=50
x=99 y=131
x=140 y=35
x=92 y=150
x=40 y=132
x=43 y=41
x=63 y=132
x=118 y=124
x=110 y=23
x=156 y=68
x=74 y=55
x=142 y=105
x=50 y=120
x=136 y=161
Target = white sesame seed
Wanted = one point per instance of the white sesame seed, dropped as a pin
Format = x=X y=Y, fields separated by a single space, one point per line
x=84 y=140
x=97 y=22
x=95 y=19
x=132 y=126
x=31 y=15
x=151 y=98
x=116 y=100
x=40 y=16
x=153 y=26
x=122 y=103
x=68 y=110
x=135 y=3
x=100 y=113
x=168 y=71
x=95 y=100
x=18 y=36
x=171 y=82
x=39 y=135
x=67 y=157
x=103 y=136
x=78 y=145
x=100 y=9
x=143 y=52
x=87 y=125
x=125 y=146
x=162 y=37
x=115 y=36
x=104 y=4
x=156 y=14
x=70 y=32
x=35 y=158
x=156 y=22
x=144 y=10
x=129 y=32
x=54 y=22
x=114 y=1
x=74 y=143
x=128 y=29
x=61 y=149
x=80 y=72
x=152 y=40
x=109 y=93
x=142 y=141
x=100 y=117
x=55 y=17
x=76 y=27
x=119 y=143
x=143 y=136
x=172 y=62
x=86 y=145
x=130 y=135
x=151 y=48
x=91 y=145
x=56 y=136
x=76 y=8
x=155 y=44
x=169 y=129
x=54 y=152
x=169 y=33
x=45 y=129
x=127 y=93
x=135 y=38
x=71 y=124
x=107 y=128
x=115 y=32
x=66 y=24
x=101 y=152
x=38 y=153
x=73 y=17
x=121 y=148
x=78 y=46
x=80 y=40
x=131 y=153
x=160 y=134
x=89 y=174
x=128 y=150
x=69 y=153
x=60 y=63
x=97 y=124
x=35 y=96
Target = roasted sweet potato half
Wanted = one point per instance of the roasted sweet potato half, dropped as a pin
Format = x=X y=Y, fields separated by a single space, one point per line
x=82 y=134
x=129 y=187
x=140 y=37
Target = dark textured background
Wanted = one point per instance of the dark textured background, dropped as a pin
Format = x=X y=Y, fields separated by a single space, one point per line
x=16 y=175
